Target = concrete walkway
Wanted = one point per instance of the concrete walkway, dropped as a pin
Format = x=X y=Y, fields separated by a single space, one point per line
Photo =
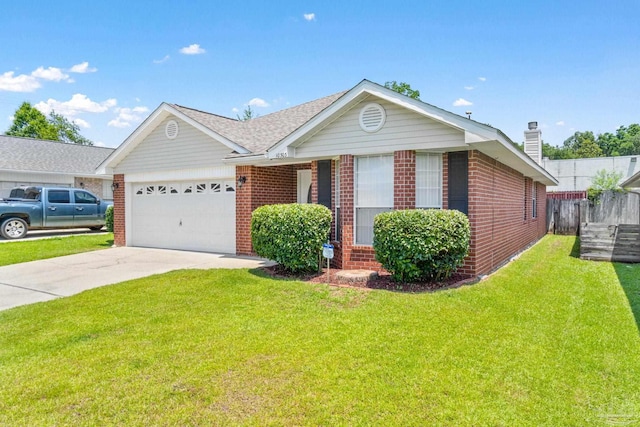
x=44 y=280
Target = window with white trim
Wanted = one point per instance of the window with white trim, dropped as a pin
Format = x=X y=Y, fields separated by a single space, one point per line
x=428 y=180
x=373 y=193
x=534 y=201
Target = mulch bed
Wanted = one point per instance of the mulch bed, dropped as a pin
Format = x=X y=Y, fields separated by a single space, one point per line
x=382 y=281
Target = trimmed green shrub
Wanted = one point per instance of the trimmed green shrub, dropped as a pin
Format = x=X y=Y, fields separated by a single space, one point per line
x=108 y=218
x=291 y=234
x=421 y=245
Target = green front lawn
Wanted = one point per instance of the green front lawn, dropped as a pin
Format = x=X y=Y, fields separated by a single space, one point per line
x=32 y=250
x=548 y=340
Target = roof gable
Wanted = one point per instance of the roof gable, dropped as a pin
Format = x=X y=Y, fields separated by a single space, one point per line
x=155 y=119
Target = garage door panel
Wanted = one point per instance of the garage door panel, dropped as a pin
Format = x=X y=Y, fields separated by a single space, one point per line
x=184 y=215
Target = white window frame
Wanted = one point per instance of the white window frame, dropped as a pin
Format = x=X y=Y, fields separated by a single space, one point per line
x=534 y=200
x=382 y=204
x=422 y=176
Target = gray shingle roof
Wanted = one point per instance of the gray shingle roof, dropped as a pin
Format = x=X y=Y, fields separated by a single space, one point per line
x=259 y=134
x=27 y=154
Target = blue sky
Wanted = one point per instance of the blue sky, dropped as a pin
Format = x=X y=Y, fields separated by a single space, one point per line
x=107 y=65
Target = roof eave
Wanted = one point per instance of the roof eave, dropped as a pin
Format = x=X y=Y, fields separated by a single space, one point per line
x=633 y=182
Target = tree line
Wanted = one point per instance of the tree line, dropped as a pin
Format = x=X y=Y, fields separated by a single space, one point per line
x=29 y=122
x=624 y=142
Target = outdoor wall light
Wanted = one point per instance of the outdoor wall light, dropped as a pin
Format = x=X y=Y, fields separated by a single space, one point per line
x=114 y=186
x=241 y=180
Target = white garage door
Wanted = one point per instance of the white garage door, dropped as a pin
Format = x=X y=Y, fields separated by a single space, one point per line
x=195 y=215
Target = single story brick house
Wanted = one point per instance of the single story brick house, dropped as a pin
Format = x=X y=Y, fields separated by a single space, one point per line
x=189 y=180
x=29 y=161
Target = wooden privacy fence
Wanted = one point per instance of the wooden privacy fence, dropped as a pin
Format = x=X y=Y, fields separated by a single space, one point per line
x=564 y=216
x=607 y=242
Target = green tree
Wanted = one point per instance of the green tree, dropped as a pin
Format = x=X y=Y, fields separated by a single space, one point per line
x=29 y=122
x=588 y=149
x=67 y=131
x=628 y=140
x=247 y=114
x=403 y=88
x=555 y=153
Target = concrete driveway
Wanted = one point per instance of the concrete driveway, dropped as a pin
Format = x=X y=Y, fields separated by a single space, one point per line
x=44 y=280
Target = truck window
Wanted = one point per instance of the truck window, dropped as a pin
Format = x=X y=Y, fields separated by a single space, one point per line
x=84 y=197
x=58 y=196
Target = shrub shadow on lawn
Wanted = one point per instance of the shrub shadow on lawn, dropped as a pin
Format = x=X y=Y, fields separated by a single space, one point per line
x=629 y=277
x=575 y=250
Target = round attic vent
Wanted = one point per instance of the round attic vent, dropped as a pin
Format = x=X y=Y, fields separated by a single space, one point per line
x=372 y=117
x=171 y=130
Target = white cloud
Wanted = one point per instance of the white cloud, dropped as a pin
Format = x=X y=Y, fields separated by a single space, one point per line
x=82 y=123
x=78 y=103
x=193 y=49
x=560 y=123
x=310 y=16
x=128 y=116
x=482 y=79
x=235 y=110
x=99 y=144
x=52 y=74
x=83 y=68
x=469 y=87
x=163 y=60
x=461 y=102
x=20 y=83
x=258 y=102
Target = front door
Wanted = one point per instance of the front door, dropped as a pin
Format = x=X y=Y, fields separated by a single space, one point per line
x=304 y=186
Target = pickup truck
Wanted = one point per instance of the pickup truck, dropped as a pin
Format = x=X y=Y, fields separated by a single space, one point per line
x=40 y=208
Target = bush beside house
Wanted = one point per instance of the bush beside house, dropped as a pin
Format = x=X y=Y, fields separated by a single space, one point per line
x=419 y=245
x=108 y=219
x=291 y=234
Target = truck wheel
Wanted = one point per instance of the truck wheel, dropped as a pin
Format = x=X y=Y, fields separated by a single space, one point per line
x=96 y=228
x=13 y=228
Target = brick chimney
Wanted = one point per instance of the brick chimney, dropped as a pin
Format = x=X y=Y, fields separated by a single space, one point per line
x=533 y=142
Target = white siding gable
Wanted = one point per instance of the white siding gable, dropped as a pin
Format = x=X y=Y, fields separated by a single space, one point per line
x=403 y=130
x=189 y=150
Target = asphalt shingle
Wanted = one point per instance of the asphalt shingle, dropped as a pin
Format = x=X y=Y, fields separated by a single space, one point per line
x=26 y=154
x=259 y=134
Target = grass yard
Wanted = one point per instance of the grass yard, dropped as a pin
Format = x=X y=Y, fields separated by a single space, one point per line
x=550 y=340
x=32 y=250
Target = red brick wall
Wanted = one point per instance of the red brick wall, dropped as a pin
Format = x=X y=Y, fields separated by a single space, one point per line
x=119 y=227
x=404 y=180
x=496 y=207
x=93 y=185
x=264 y=186
x=496 y=213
